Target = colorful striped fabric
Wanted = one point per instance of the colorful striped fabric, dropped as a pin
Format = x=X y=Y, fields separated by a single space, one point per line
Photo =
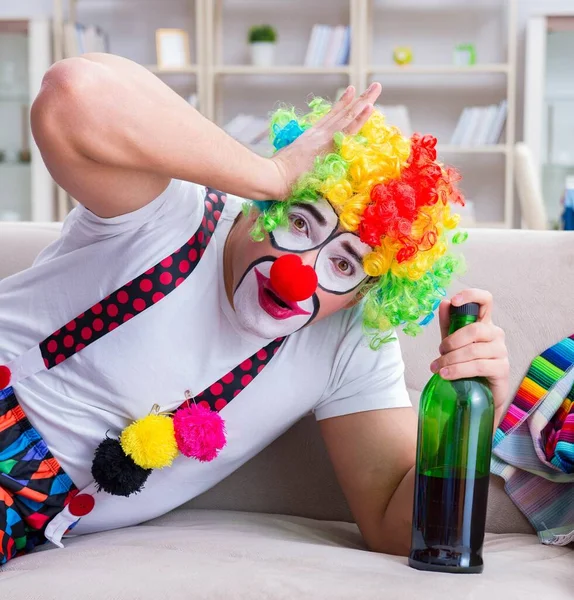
x=33 y=486
x=534 y=445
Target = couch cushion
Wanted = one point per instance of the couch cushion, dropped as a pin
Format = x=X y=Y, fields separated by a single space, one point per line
x=294 y=475
x=227 y=555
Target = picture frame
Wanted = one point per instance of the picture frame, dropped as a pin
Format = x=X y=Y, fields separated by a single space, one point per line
x=172 y=48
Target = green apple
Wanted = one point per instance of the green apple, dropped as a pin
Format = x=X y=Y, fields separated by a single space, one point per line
x=403 y=55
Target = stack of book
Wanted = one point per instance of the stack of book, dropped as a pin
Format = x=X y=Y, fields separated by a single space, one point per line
x=480 y=125
x=79 y=39
x=328 y=46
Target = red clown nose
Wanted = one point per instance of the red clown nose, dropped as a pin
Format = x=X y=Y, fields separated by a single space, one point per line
x=293 y=280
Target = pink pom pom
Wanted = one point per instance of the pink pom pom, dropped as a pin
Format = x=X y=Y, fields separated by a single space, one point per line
x=199 y=432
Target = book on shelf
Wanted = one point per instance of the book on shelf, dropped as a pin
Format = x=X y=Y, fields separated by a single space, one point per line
x=480 y=125
x=328 y=46
x=79 y=39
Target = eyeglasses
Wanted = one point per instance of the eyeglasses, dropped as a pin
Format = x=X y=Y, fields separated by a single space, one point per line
x=339 y=262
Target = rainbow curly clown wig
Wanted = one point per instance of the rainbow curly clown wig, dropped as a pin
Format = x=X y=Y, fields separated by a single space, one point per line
x=391 y=191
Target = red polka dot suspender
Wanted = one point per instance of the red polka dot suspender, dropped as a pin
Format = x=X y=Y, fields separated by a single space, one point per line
x=113 y=311
x=222 y=392
x=135 y=297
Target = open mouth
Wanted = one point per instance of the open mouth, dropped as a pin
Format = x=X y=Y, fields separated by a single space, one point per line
x=276 y=298
x=272 y=303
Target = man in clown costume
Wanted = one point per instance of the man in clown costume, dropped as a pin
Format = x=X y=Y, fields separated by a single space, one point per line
x=174 y=329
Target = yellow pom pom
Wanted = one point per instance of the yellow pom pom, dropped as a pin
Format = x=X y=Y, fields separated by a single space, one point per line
x=150 y=442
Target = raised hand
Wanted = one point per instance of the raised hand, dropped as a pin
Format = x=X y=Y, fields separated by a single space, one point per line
x=348 y=115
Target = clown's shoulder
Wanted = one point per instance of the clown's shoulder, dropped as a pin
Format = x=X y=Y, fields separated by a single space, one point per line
x=360 y=378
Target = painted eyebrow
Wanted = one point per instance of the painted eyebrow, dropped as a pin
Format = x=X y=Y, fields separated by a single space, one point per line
x=347 y=246
x=314 y=211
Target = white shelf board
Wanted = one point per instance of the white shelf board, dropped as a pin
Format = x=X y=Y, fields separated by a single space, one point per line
x=437 y=69
x=436 y=6
x=157 y=70
x=280 y=70
x=489 y=149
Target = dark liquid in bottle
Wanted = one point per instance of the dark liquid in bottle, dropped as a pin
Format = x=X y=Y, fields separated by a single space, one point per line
x=448 y=527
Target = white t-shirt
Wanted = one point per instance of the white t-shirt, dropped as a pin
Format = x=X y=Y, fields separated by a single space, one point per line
x=187 y=341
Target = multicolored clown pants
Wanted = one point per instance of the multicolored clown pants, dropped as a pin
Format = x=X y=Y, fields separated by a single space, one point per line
x=33 y=486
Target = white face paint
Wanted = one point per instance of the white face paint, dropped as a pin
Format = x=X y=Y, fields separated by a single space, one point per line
x=310 y=226
x=263 y=313
x=339 y=265
x=338 y=258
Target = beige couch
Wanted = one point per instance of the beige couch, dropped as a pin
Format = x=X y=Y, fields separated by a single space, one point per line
x=279 y=527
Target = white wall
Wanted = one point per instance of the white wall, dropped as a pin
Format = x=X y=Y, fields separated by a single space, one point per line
x=25 y=8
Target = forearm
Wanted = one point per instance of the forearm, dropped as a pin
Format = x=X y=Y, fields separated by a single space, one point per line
x=397 y=521
x=118 y=114
x=395 y=533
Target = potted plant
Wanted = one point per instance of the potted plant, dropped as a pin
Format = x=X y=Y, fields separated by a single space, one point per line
x=262 y=40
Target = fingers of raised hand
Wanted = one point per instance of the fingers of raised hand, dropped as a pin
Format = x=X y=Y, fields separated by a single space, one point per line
x=344 y=101
x=350 y=113
x=358 y=121
x=356 y=114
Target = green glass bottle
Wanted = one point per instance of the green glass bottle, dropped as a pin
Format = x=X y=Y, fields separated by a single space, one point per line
x=456 y=421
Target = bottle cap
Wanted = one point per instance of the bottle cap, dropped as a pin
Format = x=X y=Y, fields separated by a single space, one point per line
x=471 y=308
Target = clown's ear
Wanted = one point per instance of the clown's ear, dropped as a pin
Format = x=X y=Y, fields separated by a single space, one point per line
x=361 y=292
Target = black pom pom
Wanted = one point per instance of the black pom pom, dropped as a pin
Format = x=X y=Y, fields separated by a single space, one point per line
x=115 y=472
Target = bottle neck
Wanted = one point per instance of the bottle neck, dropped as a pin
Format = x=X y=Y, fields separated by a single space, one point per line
x=459 y=321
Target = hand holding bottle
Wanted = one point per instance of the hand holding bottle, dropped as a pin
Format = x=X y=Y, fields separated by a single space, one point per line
x=478 y=350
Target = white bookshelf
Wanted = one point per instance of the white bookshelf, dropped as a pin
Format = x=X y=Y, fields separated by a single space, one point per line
x=437 y=69
x=26 y=188
x=226 y=27
x=115 y=15
x=159 y=70
x=490 y=149
x=434 y=90
x=279 y=70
